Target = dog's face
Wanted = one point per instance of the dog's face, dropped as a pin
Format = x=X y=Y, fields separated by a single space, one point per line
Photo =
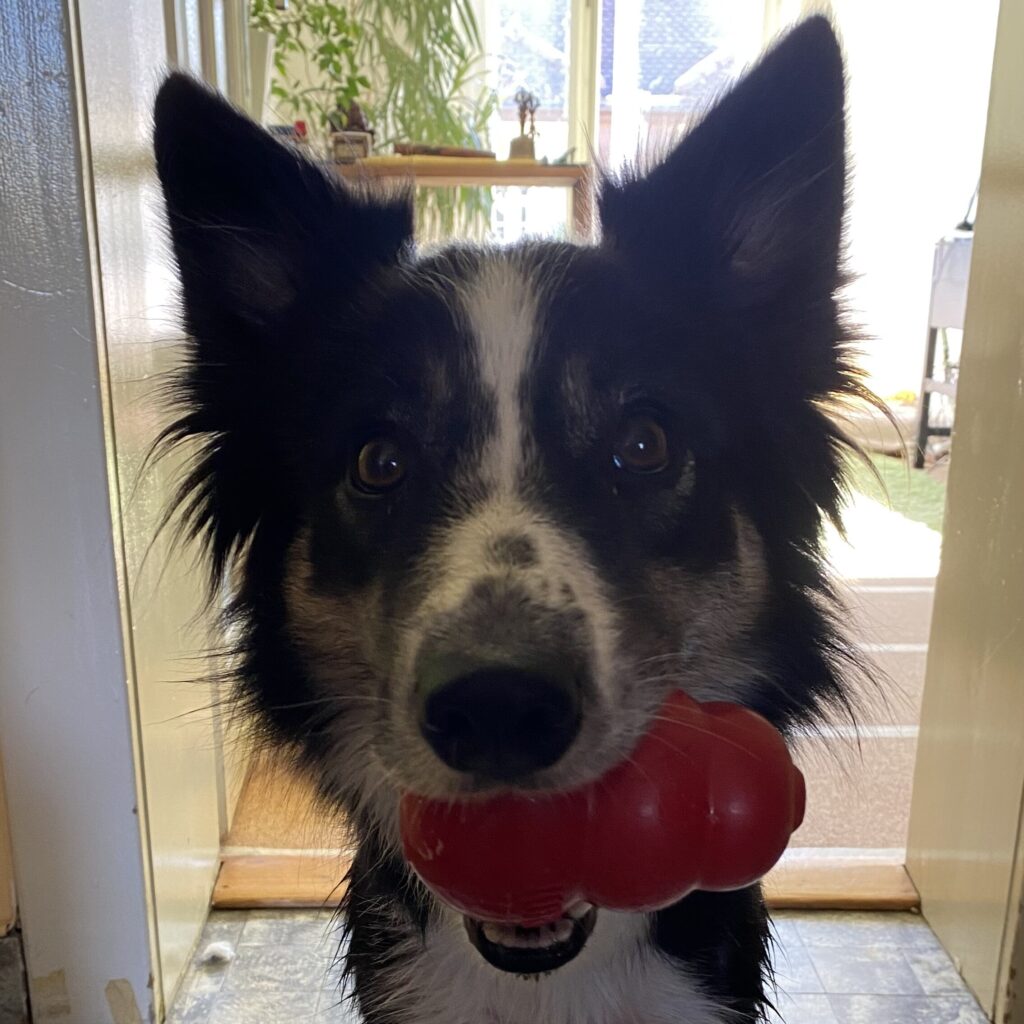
x=487 y=508
x=525 y=542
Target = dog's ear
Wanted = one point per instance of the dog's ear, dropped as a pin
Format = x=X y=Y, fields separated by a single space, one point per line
x=749 y=206
x=271 y=254
x=256 y=227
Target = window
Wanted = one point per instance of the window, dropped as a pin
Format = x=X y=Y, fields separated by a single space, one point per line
x=660 y=62
x=657 y=63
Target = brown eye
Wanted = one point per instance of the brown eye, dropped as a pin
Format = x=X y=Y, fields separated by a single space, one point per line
x=380 y=465
x=641 y=446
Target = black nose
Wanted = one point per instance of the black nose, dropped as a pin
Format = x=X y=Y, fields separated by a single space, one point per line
x=497 y=722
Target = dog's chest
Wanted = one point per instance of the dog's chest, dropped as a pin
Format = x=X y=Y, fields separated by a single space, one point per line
x=619 y=978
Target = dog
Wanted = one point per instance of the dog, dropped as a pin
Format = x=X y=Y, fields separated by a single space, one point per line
x=480 y=510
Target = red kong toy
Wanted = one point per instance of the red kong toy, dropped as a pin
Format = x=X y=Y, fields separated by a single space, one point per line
x=708 y=800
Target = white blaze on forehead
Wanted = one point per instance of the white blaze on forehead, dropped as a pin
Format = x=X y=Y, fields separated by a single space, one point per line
x=501 y=306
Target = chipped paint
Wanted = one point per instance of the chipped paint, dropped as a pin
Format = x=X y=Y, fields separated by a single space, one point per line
x=121 y=999
x=50 y=999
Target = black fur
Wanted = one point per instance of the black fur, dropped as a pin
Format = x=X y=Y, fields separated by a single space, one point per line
x=712 y=295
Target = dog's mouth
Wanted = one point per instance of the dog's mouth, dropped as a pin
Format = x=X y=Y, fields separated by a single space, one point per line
x=526 y=951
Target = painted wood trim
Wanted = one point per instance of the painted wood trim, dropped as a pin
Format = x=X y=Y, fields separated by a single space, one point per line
x=8 y=903
x=964 y=845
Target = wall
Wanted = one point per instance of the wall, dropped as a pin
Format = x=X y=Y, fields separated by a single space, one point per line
x=964 y=830
x=113 y=762
x=66 y=717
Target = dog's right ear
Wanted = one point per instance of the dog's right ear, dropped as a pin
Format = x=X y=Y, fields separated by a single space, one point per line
x=272 y=254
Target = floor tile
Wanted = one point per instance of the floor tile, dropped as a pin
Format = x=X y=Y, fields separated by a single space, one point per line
x=276 y=968
x=832 y=969
x=784 y=928
x=802 y=1010
x=264 y=1008
x=865 y=971
x=334 y=1008
x=924 y=1010
x=935 y=971
x=291 y=928
x=844 y=929
x=192 y=1008
x=794 y=971
x=224 y=926
x=202 y=979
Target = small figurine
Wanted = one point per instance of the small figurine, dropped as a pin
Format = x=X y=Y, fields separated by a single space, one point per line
x=523 y=148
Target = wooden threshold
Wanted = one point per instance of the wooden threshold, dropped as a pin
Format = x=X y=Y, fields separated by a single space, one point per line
x=841 y=885
x=283 y=851
x=281 y=880
x=305 y=879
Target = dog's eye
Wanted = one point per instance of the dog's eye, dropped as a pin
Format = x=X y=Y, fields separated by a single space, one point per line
x=380 y=465
x=641 y=446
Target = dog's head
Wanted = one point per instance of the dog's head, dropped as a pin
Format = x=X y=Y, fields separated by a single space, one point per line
x=485 y=509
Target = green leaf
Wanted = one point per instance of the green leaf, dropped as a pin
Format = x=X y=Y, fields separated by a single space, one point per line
x=426 y=58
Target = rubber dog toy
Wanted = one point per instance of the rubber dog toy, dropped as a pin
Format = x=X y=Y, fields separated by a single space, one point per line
x=708 y=800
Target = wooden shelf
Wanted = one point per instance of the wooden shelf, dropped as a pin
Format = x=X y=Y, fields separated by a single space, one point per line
x=484 y=172
x=451 y=171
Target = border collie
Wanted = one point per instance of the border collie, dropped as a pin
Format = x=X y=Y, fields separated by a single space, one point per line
x=481 y=510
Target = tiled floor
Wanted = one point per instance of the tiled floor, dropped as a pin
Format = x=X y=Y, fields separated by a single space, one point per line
x=282 y=970
x=831 y=969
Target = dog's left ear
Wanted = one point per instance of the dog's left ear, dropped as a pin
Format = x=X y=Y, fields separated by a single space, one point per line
x=274 y=256
x=749 y=207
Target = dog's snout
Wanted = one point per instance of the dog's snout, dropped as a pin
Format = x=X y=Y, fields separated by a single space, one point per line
x=498 y=722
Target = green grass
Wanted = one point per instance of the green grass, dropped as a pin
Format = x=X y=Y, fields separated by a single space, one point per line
x=914 y=493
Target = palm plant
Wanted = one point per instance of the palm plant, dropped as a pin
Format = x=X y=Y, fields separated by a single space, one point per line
x=430 y=53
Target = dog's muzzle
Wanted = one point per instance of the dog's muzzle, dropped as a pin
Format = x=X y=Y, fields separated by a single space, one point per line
x=496 y=720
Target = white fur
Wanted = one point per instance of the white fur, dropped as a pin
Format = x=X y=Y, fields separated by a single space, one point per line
x=502 y=309
x=618 y=978
x=459 y=561
x=501 y=305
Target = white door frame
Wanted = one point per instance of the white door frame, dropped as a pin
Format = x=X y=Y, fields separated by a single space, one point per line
x=114 y=778
x=66 y=714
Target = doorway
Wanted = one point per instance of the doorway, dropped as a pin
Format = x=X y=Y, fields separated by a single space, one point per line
x=213 y=818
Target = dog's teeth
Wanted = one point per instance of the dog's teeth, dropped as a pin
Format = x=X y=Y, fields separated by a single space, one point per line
x=495 y=933
x=579 y=910
x=513 y=937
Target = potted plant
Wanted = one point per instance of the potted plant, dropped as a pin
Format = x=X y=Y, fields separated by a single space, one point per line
x=315 y=59
x=426 y=82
